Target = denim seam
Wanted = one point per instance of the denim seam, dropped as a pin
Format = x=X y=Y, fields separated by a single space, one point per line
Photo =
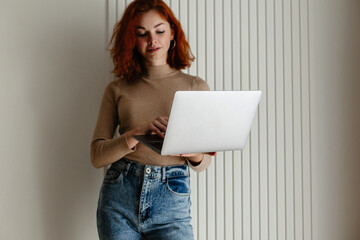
x=176 y=193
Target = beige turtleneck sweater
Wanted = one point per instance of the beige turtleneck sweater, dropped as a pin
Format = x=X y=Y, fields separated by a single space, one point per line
x=129 y=105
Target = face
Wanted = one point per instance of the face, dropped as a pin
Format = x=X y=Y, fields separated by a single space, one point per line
x=153 y=37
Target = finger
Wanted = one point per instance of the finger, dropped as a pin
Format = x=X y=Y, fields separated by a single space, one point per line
x=211 y=153
x=163 y=120
x=156 y=130
x=188 y=155
x=159 y=125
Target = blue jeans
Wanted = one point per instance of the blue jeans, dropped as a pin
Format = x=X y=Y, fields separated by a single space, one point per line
x=144 y=202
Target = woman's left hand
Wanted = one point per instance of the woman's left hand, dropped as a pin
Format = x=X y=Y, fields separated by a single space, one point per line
x=195 y=154
x=187 y=155
x=195 y=158
x=190 y=155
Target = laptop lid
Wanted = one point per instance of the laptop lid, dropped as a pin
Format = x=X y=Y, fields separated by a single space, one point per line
x=210 y=121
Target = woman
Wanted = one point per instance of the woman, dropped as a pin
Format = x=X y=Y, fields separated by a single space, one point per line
x=144 y=195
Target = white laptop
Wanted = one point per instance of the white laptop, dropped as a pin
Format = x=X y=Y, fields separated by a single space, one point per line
x=206 y=121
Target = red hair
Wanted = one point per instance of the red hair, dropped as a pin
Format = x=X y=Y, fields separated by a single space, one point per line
x=127 y=60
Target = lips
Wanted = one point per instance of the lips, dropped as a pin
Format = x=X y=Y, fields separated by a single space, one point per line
x=152 y=50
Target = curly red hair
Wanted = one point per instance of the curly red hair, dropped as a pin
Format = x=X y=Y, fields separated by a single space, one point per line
x=127 y=60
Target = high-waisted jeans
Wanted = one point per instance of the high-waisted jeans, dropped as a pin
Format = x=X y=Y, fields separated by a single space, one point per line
x=144 y=202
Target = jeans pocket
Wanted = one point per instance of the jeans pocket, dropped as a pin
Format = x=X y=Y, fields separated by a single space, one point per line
x=179 y=186
x=114 y=174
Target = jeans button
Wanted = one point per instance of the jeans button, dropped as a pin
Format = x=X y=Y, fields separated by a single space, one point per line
x=148 y=170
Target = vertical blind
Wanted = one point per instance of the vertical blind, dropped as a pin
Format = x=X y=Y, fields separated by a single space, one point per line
x=264 y=191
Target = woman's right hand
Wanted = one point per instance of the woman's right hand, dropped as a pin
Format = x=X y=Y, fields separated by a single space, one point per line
x=157 y=126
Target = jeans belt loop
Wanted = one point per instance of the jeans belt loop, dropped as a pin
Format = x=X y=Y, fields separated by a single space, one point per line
x=163 y=174
x=127 y=168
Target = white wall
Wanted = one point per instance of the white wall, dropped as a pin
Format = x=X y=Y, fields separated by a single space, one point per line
x=298 y=177
x=52 y=74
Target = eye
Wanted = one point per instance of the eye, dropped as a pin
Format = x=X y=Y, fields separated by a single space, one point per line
x=160 y=32
x=141 y=34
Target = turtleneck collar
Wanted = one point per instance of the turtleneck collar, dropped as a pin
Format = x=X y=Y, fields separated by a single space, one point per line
x=159 y=71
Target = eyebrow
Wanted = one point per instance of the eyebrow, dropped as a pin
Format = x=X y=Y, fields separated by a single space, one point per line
x=154 y=26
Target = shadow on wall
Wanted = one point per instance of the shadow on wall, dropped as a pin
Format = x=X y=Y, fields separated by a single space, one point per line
x=338 y=115
x=66 y=94
x=350 y=113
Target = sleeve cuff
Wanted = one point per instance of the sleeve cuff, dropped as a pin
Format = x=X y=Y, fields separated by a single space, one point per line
x=205 y=162
x=127 y=144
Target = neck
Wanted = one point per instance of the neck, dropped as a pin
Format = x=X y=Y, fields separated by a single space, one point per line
x=159 y=71
x=155 y=63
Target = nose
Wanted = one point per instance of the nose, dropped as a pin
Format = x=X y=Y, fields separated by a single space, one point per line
x=151 y=39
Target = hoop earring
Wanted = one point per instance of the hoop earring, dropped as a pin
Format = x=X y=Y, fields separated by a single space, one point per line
x=174 y=44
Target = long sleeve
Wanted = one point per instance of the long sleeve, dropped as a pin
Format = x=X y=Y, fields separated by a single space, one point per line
x=104 y=148
x=126 y=105
x=199 y=84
